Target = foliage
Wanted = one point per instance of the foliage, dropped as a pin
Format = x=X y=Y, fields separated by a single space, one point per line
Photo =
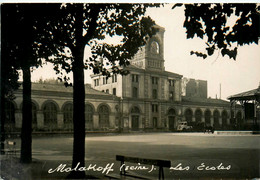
x=213 y=22
x=9 y=73
x=98 y=22
x=18 y=21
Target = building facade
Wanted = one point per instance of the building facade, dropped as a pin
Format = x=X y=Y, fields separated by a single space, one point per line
x=148 y=98
x=152 y=98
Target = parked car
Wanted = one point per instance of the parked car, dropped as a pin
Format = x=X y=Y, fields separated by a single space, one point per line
x=183 y=126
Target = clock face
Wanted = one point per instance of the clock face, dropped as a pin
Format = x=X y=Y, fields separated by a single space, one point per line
x=155 y=48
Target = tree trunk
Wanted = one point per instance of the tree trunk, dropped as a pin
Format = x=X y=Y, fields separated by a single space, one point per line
x=26 y=134
x=78 y=115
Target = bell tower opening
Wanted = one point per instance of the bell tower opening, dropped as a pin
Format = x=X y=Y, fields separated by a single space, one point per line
x=151 y=56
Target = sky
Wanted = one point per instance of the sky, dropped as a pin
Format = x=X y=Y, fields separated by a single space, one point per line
x=234 y=76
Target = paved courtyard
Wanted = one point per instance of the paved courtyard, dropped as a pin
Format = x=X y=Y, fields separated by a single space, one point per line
x=192 y=155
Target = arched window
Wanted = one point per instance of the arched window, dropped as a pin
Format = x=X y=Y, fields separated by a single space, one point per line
x=68 y=116
x=224 y=118
x=50 y=115
x=89 y=116
x=216 y=116
x=198 y=115
x=207 y=117
x=188 y=115
x=135 y=110
x=103 y=116
x=171 y=112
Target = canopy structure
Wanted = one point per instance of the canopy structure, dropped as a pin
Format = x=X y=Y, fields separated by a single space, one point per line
x=247 y=96
x=250 y=102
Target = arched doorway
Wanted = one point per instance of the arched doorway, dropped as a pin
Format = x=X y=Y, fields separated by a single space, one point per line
x=50 y=115
x=188 y=115
x=207 y=117
x=89 y=112
x=224 y=119
x=216 y=116
x=103 y=112
x=198 y=116
x=171 y=119
x=135 y=115
x=68 y=116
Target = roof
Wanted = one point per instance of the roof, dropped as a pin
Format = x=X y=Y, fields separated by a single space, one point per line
x=164 y=73
x=60 y=88
x=208 y=101
x=248 y=95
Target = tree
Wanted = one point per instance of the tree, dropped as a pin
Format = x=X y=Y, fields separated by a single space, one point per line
x=78 y=25
x=18 y=49
x=212 y=21
x=8 y=83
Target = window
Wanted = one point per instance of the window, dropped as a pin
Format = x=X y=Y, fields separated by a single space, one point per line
x=114 y=91
x=154 y=108
x=50 y=114
x=154 y=94
x=114 y=78
x=135 y=92
x=135 y=110
x=171 y=96
x=96 y=82
x=89 y=112
x=104 y=80
x=135 y=78
x=154 y=80
x=171 y=82
x=68 y=113
x=103 y=116
x=68 y=116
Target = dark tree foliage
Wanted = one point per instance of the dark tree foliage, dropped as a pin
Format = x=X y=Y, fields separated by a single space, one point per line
x=8 y=83
x=78 y=25
x=18 y=51
x=211 y=23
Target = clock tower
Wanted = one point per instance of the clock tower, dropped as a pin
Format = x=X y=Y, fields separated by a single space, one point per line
x=151 y=56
